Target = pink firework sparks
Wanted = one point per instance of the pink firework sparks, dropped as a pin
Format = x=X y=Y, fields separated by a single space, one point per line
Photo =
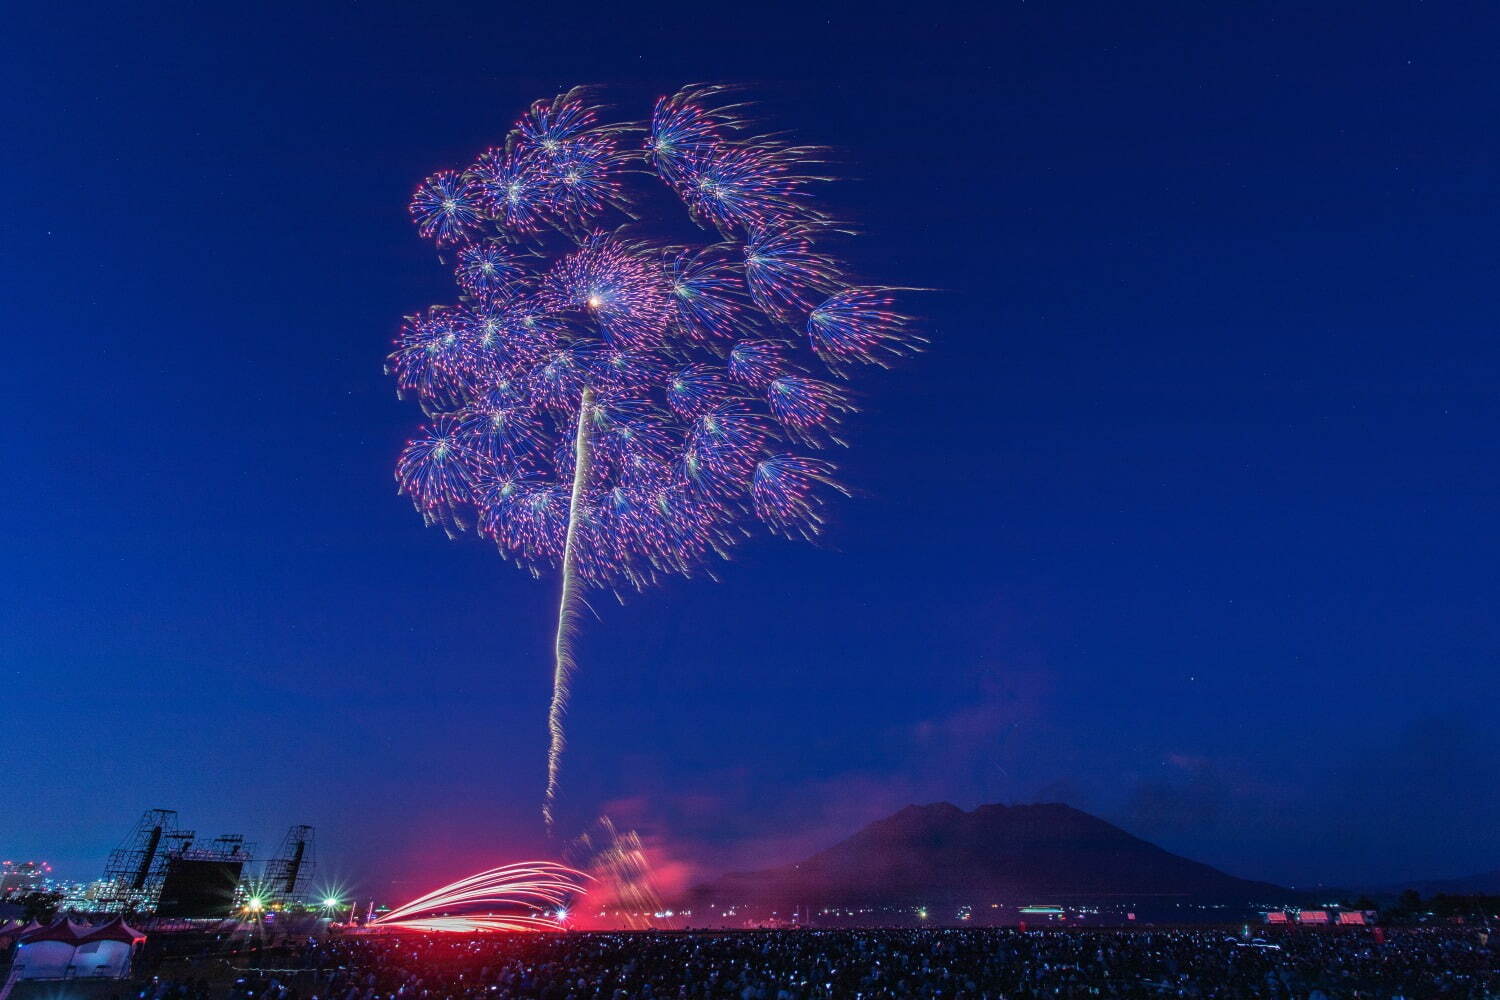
x=529 y=896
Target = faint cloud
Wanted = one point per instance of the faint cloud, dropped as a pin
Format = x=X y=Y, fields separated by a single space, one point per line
x=969 y=756
x=1188 y=797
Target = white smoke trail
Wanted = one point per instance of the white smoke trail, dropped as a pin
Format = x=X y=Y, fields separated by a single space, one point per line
x=567 y=611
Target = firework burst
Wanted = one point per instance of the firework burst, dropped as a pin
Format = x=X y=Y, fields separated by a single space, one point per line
x=785 y=274
x=688 y=124
x=860 y=325
x=617 y=408
x=621 y=873
x=488 y=269
x=446 y=208
x=785 y=493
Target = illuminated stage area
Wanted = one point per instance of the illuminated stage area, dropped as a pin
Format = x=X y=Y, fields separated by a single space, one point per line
x=529 y=896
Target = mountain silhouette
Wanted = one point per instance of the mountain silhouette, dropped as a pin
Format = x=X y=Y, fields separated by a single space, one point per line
x=995 y=854
x=1483 y=884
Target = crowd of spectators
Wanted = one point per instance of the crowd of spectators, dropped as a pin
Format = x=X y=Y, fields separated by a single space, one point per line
x=959 y=964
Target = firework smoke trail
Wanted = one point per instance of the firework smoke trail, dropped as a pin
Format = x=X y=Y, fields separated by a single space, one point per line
x=606 y=401
x=567 y=609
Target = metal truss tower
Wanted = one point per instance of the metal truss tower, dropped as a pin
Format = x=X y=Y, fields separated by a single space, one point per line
x=288 y=874
x=136 y=868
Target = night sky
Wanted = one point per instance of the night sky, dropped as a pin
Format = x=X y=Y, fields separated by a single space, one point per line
x=1187 y=517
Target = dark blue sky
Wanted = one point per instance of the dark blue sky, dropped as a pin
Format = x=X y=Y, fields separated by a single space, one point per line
x=1187 y=518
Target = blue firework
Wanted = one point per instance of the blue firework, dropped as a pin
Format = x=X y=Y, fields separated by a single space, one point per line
x=446 y=208
x=738 y=187
x=617 y=286
x=489 y=269
x=625 y=372
x=686 y=124
x=673 y=343
x=548 y=126
x=707 y=293
x=511 y=188
x=509 y=437
x=437 y=358
x=527 y=519
x=754 y=363
x=860 y=325
x=723 y=445
x=808 y=408
x=787 y=493
x=582 y=179
x=785 y=273
x=558 y=380
x=697 y=388
x=438 y=472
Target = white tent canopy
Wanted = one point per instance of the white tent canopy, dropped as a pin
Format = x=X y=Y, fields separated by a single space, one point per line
x=66 y=950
